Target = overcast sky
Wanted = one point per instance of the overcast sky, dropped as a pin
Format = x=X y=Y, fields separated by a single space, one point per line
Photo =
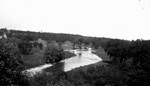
x=124 y=19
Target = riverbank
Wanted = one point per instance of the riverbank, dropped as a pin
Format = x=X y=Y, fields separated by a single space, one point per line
x=101 y=53
x=86 y=58
x=35 y=59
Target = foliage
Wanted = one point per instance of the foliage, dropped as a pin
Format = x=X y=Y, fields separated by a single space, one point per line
x=11 y=66
x=51 y=79
x=25 y=47
x=35 y=44
x=118 y=50
x=131 y=64
x=53 y=53
x=130 y=61
x=94 y=76
x=13 y=40
x=133 y=57
x=41 y=46
x=76 y=39
x=98 y=76
x=27 y=38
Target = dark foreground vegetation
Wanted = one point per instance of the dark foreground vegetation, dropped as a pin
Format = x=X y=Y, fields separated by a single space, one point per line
x=129 y=61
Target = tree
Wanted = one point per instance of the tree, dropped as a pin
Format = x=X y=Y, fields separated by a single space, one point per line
x=25 y=47
x=53 y=53
x=14 y=41
x=27 y=38
x=35 y=44
x=11 y=65
x=40 y=46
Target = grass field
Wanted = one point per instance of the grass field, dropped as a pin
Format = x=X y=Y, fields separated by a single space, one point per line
x=35 y=58
x=102 y=54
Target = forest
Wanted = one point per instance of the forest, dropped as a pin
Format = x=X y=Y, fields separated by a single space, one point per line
x=129 y=63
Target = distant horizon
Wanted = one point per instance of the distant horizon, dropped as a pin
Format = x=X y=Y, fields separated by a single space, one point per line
x=118 y=19
x=74 y=34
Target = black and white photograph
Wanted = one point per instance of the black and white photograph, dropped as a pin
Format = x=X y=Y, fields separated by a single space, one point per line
x=74 y=42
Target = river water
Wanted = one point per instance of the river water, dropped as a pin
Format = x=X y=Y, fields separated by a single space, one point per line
x=82 y=58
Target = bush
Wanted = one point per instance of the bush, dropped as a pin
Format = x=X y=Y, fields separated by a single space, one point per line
x=25 y=47
x=40 y=46
x=50 y=79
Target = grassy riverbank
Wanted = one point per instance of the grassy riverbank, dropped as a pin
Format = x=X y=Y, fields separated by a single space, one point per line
x=36 y=58
x=102 y=54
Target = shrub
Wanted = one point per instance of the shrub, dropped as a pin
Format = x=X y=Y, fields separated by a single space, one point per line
x=25 y=47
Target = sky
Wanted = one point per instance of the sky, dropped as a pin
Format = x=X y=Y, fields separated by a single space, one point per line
x=123 y=19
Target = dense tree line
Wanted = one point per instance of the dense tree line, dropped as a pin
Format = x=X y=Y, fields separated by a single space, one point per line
x=58 y=37
x=132 y=57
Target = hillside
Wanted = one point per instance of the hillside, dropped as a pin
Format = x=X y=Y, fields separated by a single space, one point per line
x=58 y=37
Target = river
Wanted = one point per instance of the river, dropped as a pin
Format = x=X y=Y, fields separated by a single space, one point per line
x=82 y=58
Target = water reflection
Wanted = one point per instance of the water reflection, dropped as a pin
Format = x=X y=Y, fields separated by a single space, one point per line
x=82 y=59
x=85 y=58
x=56 y=67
